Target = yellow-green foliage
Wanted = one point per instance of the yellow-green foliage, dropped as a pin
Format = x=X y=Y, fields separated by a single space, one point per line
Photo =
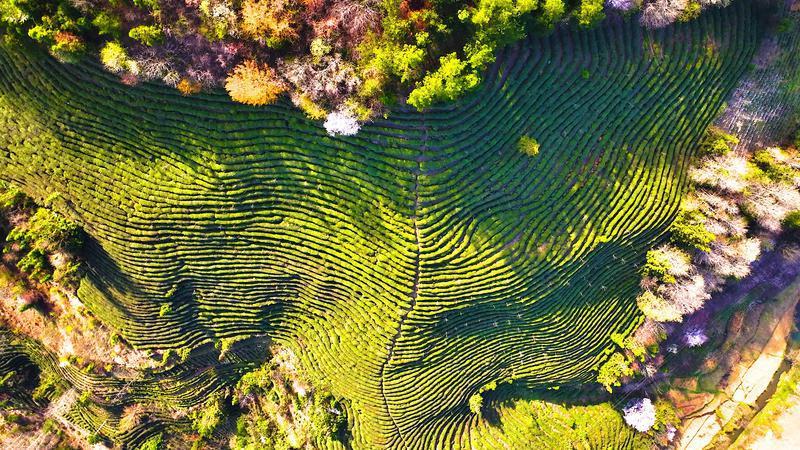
x=689 y=231
x=154 y=443
x=476 y=403
x=637 y=350
x=691 y=11
x=541 y=425
x=10 y=196
x=208 y=417
x=46 y=230
x=165 y=309
x=50 y=386
x=528 y=145
x=450 y=81
x=43 y=233
x=658 y=308
x=613 y=370
x=496 y=23
x=717 y=142
x=107 y=24
x=312 y=110
x=657 y=265
x=552 y=11
x=791 y=222
x=115 y=58
x=268 y=393
x=774 y=169
x=147 y=34
x=590 y=12
x=666 y=415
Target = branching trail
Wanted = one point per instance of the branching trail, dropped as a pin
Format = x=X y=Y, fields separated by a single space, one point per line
x=415 y=285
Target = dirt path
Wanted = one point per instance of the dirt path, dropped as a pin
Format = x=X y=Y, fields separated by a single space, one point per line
x=772 y=273
x=762 y=353
x=789 y=438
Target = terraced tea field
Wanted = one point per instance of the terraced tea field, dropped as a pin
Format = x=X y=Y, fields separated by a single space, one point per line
x=407 y=266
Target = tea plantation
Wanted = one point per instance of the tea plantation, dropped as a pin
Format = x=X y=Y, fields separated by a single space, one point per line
x=407 y=266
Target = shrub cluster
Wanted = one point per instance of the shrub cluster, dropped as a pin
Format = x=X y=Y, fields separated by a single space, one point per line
x=39 y=242
x=280 y=409
x=714 y=237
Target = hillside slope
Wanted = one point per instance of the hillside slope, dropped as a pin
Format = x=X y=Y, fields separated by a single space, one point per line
x=407 y=266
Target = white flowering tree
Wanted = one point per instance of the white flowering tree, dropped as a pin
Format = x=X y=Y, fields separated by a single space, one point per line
x=342 y=122
x=640 y=414
x=695 y=337
x=621 y=5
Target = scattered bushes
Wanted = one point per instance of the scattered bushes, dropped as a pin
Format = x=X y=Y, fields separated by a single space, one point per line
x=712 y=227
x=776 y=170
x=43 y=243
x=729 y=173
x=146 y=34
x=107 y=24
x=49 y=387
x=95 y=439
x=590 y=12
x=658 y=266
x=666 y=417
x=495 y=23
x=657 y=308
x=115 y=58
x=282 y=410
x=621 y=364
x=791 y=223
x=57 y=25
x=729 y=191
x=11 y=197
x=153 y=443
x=46 y=230
x=165 y=309
x=476 y=400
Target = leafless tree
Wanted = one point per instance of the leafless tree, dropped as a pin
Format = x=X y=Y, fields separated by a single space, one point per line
x=355 y=18
x=660 y=13
x=328 y=80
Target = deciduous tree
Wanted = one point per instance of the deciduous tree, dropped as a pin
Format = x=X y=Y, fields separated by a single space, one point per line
x=254 y=84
